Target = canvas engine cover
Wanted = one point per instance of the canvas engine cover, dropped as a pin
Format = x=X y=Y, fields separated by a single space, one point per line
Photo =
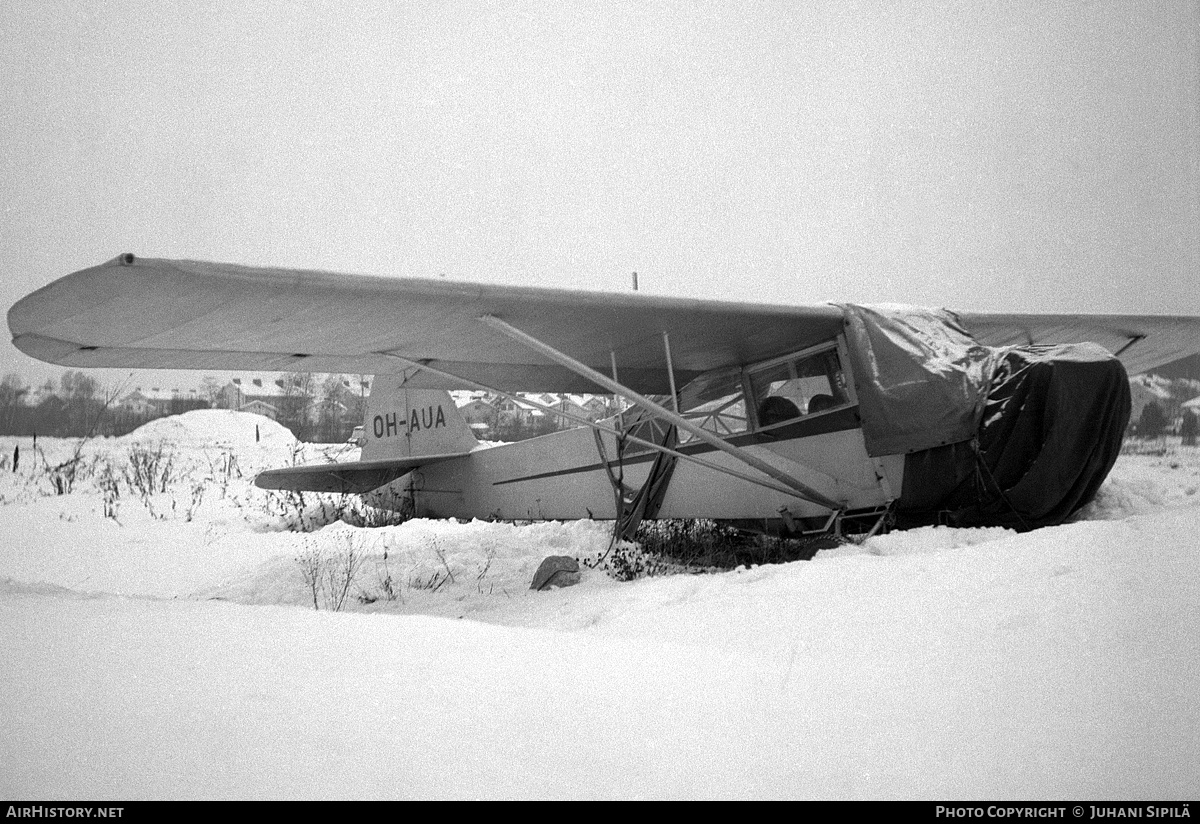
x=1051 y=429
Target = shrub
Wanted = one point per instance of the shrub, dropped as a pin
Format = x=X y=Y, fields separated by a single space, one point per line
x=107 y=480
x=150 y=469
x=308 y=512
x=328 y=575
x=625 y=561
x=669 y=546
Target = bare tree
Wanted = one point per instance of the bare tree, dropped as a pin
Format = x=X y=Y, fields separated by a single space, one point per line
x=12 y=393
x=210 y=389
x=357 y=400
x=80 y=398
x=296 y=404
x=333 y=409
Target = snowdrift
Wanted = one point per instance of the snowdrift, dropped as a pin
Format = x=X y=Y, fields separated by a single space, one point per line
x=163 y=644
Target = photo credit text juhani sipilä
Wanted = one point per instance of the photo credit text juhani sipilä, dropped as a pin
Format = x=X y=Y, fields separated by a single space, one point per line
x=1076 y=811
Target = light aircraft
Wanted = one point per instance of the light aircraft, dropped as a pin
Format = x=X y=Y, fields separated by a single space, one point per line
x=803 y=420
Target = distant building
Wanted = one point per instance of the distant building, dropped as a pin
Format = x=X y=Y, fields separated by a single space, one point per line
x=335 y=407
x=154 y=401
x=264 y=396
x=240 y=392
x=515 y=409
x=480 y=412
x=599 y=406
x=320 y=406
x=260 y=407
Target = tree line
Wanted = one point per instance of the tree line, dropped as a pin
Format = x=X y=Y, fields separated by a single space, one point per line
x=314 y=408
x=1153 y=422
x=74 y=406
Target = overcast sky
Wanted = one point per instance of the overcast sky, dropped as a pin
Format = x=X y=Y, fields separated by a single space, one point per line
x=1036 y=156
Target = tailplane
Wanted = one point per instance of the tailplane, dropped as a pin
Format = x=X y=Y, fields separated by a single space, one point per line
x=404 y=429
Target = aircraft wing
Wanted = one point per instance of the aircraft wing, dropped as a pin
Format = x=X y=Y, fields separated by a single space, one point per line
x=357 y=477
x=1141 y=341
x=163 y=314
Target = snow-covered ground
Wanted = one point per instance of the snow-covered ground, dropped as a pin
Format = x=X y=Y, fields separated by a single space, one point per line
x=165 y=645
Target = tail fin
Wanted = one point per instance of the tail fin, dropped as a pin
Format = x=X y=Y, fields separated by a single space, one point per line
x=409 y=423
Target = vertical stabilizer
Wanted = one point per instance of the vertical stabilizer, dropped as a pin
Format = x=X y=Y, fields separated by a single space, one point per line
x=408 y=423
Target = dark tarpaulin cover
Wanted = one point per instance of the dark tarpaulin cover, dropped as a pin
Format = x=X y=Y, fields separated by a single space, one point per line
x=920 y=377
x=1051 y=429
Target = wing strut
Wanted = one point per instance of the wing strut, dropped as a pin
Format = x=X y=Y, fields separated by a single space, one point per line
x=670 y=372
x=1132 y=340
x=596 y=426
x=805 y=491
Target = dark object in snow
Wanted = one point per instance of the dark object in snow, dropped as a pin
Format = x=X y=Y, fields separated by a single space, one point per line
x=16 y=456
x=556 y=571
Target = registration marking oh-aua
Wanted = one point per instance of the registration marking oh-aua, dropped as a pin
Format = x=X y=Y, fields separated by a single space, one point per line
x=430 y=417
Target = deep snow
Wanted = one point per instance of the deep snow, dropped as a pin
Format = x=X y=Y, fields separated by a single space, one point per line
x=171 y=650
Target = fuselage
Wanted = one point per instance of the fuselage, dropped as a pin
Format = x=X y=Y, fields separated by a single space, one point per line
x=563 y=476
x=797 y=413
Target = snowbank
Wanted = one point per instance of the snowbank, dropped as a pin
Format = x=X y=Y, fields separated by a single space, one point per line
x=165 y=646
x=214 y=428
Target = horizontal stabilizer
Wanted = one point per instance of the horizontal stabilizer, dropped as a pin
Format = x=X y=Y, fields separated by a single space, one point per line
x=357 y=477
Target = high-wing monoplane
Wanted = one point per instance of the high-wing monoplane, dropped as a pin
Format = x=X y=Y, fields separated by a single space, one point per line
x=799 y=419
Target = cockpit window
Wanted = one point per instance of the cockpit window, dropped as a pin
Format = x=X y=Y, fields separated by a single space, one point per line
x=782 y=390
x=715 y=402
x=798 y=387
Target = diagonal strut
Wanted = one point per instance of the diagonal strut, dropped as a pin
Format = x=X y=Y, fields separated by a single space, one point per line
x=600 y=378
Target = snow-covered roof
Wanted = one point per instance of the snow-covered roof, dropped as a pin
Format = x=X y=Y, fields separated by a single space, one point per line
x=274 y=386
x=266 y=387
x=1153 y=384
x=257 y=404
x=160 y=393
